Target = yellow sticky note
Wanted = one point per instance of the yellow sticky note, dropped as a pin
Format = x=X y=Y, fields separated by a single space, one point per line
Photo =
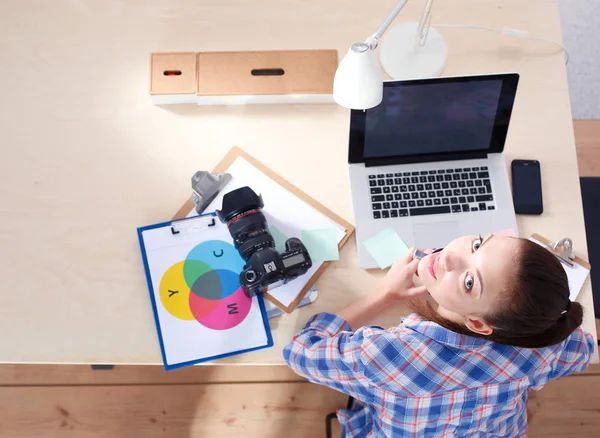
x=386 y=248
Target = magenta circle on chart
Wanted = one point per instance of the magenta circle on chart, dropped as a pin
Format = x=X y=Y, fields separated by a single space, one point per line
x=230 y=312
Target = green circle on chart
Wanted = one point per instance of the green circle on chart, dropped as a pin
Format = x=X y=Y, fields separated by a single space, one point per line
x=193 y=270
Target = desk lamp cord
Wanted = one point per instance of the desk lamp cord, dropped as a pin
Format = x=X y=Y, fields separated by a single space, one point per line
x=509 y=32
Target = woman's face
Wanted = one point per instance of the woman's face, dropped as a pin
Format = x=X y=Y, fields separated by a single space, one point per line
x=469 y=275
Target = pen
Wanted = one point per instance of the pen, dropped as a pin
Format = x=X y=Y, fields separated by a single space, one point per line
x=418 y=254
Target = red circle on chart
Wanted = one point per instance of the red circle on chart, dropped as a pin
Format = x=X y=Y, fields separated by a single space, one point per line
x=230 y=312
x=201 y=307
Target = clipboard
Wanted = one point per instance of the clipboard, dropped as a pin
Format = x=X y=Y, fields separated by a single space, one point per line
x=191 y=269
x=223 y=166
x=577 y=269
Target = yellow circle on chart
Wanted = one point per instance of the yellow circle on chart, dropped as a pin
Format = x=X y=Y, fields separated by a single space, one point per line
x=175 y=293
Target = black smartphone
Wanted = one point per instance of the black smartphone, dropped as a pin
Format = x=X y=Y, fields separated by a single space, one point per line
x=527 y=187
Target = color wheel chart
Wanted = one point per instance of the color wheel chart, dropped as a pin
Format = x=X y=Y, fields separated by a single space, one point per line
x=205 y=287
x=200 y=309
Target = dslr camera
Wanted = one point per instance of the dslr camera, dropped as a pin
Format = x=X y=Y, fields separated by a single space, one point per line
x=265 y=267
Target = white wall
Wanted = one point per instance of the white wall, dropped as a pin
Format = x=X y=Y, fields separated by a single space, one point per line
x=581 y=36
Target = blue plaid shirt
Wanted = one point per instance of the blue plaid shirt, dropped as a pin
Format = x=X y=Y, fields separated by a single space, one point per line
x=421 y=380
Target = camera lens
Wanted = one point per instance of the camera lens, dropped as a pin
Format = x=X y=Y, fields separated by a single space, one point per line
x=246 y=222
x=251 y=233
x=250 y=276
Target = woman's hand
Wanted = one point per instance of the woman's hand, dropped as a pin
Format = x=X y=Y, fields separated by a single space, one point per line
x=397 y=285
x=398 y=282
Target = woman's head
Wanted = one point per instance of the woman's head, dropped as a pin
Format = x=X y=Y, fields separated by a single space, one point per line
x=509 y=290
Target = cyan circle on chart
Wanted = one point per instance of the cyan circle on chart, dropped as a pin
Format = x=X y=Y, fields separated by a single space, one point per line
x=219 y=255
x=208 y=286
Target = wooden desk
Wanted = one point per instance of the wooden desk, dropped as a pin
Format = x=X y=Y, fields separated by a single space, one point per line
x=87 y=158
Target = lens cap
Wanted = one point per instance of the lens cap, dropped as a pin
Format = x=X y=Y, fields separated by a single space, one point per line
x=239 y=201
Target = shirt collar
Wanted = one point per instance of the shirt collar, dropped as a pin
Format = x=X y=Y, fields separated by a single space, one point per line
x=442 y=335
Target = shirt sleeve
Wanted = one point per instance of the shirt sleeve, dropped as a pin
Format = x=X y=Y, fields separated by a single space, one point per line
x=575 y=354
x=326 y=351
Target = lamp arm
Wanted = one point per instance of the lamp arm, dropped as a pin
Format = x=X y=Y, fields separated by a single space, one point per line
x=424 y=24
x=373 y=40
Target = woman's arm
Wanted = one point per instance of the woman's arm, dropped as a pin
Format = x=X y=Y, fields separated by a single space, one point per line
x=327 y=351
x=397 y=285
x=366 y=309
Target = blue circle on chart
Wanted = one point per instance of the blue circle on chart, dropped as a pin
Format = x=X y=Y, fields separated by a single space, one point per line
x=219 y=255
x=230 y=282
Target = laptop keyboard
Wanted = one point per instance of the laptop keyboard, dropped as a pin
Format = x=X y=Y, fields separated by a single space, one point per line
x=460 y=190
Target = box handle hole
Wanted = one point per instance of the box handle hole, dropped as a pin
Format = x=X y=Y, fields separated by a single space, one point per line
x=172 y=73
x=267 y=72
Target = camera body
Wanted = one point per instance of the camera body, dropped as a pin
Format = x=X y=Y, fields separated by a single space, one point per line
x=265 y=267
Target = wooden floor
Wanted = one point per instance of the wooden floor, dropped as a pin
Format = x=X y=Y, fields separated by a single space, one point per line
x=74 y=401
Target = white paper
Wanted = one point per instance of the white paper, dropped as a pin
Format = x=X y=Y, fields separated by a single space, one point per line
x=282 y=209
x=189 y=340
x=576 y=274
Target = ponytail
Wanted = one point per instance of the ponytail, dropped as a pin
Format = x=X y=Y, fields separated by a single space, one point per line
x=564 y=326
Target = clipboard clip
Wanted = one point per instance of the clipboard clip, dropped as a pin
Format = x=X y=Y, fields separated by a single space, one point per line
x=563 y=249
x=193 y=224
x=206 y=186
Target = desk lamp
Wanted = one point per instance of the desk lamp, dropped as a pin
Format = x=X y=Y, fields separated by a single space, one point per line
x=411 y=50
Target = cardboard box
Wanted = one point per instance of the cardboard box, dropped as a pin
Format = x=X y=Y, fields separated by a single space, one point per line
x=239 y=78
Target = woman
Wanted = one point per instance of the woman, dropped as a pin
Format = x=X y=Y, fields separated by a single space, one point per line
x=501 y=323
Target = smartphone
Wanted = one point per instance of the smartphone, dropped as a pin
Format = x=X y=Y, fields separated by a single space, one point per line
x=527 y=187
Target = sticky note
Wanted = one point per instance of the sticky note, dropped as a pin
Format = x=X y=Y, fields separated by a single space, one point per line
x=386 y=248
x=279 y=238
x=322 y=244
x=509 y=233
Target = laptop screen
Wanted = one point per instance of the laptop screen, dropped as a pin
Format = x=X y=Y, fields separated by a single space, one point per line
x=435 y=116
x=429 y=118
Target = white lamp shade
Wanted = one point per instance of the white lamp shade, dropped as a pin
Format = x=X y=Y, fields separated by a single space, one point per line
x=357 y=83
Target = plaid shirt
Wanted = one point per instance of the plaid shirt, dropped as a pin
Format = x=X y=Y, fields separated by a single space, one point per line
x=421 y=380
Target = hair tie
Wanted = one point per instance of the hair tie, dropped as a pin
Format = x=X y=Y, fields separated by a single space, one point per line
x=568 y=309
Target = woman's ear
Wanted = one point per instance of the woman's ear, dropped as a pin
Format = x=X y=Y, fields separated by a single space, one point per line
x=478 y=325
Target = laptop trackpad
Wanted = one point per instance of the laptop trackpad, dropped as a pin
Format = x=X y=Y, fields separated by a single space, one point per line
x=436 y=235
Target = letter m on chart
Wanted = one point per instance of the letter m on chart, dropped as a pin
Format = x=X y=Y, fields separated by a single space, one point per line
x=233 y=310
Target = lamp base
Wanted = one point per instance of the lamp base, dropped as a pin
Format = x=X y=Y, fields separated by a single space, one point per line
x=402 y=57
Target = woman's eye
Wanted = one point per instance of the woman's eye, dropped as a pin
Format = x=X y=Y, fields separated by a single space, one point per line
x=476 y=244
x=469 y=283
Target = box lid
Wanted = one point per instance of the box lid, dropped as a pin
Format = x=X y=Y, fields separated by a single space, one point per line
x=266 y=72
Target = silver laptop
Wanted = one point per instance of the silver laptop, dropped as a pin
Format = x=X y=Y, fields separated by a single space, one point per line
x=428 y=161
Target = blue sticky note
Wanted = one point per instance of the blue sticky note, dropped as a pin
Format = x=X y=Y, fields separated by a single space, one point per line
x=386 y=248
x=279 y=238
x=322 y=244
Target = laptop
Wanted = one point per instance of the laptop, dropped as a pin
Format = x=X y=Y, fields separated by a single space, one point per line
x=428 y=161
